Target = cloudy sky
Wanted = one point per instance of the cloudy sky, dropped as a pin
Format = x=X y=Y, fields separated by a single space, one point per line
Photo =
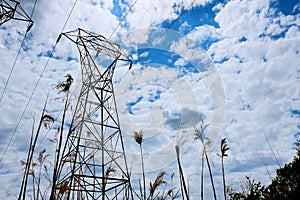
x=234 y=64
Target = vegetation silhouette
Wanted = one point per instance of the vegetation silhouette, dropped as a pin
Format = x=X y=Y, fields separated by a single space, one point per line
x=285 y=186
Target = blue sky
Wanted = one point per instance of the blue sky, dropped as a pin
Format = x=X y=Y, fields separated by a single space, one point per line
x=234 y=63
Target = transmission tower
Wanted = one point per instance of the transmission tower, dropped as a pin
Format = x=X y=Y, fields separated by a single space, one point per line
x=11 y=9
x=92 y=164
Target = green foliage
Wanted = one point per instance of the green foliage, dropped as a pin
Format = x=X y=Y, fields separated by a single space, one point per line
x=251 y=191
x=285 y=186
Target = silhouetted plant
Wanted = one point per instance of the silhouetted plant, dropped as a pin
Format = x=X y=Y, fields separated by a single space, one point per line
x=200 y=135
x=36 y=174
x=63 y=87
x=45 y=120
x=138 y=136
x=41 y=159
x=251 y=191
x=184 y=191
x=224 y=148
x=286 y=185
x=171 y=194
x=159 y=180
x=108 y=172
x=155 y=194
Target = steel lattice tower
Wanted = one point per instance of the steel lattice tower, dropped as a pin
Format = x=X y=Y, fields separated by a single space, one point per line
x=93 y=163
x=11 y=9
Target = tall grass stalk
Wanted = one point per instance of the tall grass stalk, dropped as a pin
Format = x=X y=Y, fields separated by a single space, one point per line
x=33 y=142
x=138 y=136
x=58 y=148
x=200 y=135
x=159 y=180
x=42 y=158
x=202 y=177
x=26 y=169
x=64 y=87
x=184 y=191
x=210 y=174
x=224 y=148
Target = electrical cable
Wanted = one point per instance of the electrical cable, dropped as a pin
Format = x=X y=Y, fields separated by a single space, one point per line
x=51 y=54
x=38 y=146
x=31 y=14
x=19 y=51
x=13 y=67
x=36 y=85
x=123 y=18
x=14 y=132
x=164 y=32
x=168 y=28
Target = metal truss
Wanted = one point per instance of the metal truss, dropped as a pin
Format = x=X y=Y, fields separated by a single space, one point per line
x=93 y=163
x=11 y=9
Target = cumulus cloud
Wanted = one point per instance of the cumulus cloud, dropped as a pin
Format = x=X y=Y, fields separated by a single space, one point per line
x=248 y=94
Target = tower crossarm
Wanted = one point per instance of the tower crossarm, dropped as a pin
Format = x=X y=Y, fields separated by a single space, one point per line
x=11 y=9
x=98 y=44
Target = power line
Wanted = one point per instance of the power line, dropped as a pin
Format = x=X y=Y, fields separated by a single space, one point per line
x=19 y=51
x=38 y=81
x=51 y=54
x=163 y=33
x=38 y=146
x=33 y=9
x=123 y=18
x=29 y=100
x=168 y=28
x=13 y=67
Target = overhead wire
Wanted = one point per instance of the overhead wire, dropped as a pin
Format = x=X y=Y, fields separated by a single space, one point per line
x=36 y=85
x=165 y=30
x=7 y=193
x=169 y=27
x=124 y=17
x=51 y=54
x=14 y=132
x=34 y=5
x=55 y=119
x=19 y=51
x=38 y=146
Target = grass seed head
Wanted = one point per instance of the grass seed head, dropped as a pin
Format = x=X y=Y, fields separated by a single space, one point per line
x=138 y=136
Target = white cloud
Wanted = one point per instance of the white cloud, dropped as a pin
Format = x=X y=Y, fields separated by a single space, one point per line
x=204 y=32
x=150 y=13
x=239 y=18
x=260 y=76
